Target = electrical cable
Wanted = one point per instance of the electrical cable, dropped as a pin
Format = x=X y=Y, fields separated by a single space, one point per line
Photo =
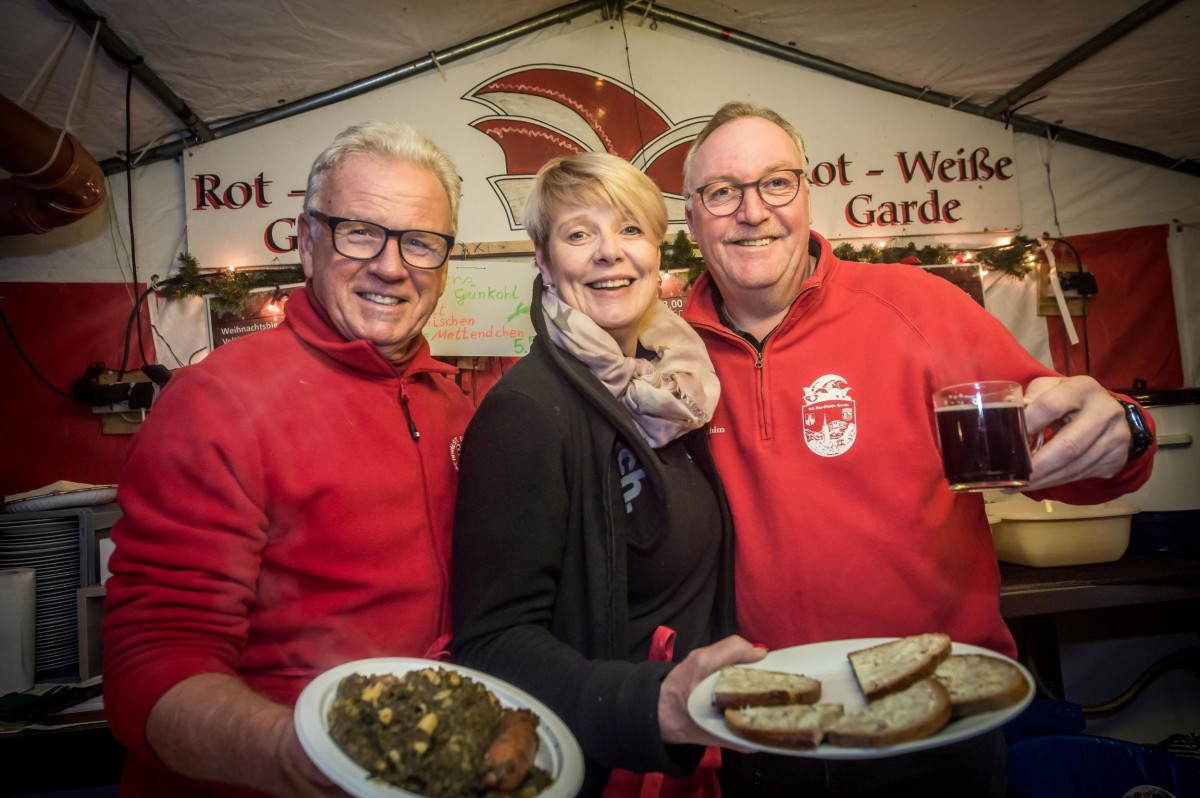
x=1083 y=303
x=1187 y=659
x=166 y=343
x=1008 y=115
x=1050 y=183
x=133 y=319
x=120 y=255
x=637 y=118
x=129 y=210
x=12 y=336
x=80 y=388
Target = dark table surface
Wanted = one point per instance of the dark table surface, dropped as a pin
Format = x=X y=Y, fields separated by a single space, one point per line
x=1135 y=578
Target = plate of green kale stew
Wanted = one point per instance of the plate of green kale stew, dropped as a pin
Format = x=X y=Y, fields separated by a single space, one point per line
x=395 y=726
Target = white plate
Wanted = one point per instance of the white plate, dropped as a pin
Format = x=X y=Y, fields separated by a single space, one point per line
x=558 y=752
x=827 y=662
x=83 y=497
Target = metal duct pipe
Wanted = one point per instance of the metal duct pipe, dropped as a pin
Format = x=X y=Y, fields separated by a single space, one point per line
x=68 y=188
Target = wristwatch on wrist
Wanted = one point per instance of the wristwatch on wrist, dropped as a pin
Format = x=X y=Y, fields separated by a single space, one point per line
x=1140 y=436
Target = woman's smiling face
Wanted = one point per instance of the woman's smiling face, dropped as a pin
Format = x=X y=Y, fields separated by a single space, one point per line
x=604 y=265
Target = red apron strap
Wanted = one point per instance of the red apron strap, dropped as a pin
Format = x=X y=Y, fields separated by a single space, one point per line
x=662 y=644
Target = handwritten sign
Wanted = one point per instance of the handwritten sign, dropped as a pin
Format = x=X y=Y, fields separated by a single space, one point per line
x=484 y=310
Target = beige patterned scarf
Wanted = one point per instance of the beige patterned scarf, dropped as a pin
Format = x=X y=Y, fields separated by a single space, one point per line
x=674 y=393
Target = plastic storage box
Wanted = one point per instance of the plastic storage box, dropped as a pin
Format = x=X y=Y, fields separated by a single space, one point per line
x=1048 y=533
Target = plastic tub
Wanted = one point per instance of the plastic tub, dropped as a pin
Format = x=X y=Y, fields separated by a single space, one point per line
x=1048 y=533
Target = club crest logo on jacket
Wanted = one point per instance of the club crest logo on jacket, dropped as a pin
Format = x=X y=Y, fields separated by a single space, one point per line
x=829 y=423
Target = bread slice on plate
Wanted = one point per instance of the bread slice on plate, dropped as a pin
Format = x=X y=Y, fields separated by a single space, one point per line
x=979 y=683
x=913 y=713
x=895 y=665
x=789 y=726
x=755 y=687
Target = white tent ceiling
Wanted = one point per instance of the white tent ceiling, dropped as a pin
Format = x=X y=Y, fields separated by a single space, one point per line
x=1129 y=82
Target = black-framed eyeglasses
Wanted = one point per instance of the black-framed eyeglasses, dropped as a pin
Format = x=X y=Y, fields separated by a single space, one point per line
x=724 y=197
x=359 y=240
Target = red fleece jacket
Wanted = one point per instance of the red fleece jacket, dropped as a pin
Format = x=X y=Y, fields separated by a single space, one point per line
x=844 y=524
x=279 y=519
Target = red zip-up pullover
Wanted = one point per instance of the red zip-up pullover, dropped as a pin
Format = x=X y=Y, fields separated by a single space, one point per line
x=826 y=442
x=280 y=518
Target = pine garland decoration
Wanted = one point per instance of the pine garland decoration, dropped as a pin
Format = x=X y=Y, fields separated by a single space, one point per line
x=188 y=281
x=1015 y=258
x=870 y=253
x=681 y=254
x=1012 y=258
x=230 y=289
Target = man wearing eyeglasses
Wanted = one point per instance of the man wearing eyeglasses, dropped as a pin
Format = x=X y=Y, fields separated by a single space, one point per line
x=288 y=502
x=824 y=438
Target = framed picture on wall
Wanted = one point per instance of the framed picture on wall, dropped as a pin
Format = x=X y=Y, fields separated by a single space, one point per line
x=966 y=276
x=262 y=312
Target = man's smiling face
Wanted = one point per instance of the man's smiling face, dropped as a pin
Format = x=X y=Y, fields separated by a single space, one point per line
x=381 y=300
x=758 y=247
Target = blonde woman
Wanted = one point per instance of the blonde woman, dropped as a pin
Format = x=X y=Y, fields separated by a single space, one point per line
x=593 y=543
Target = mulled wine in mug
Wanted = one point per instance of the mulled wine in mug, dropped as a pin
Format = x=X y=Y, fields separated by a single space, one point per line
x=981 y=427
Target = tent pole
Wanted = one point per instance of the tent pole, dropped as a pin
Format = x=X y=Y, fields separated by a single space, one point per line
x=1019 y=123
x=1112 y=33
x=427 y=64
x=121 y=52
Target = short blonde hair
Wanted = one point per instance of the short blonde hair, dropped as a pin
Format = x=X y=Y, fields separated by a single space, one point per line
x=398 y=141
x=593 y=179
x=727 y=113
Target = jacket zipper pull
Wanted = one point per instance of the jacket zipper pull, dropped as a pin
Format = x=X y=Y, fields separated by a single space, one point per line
x=412 y=428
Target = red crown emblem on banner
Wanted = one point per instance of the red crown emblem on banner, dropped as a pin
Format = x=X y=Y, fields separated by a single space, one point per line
x=542 y=112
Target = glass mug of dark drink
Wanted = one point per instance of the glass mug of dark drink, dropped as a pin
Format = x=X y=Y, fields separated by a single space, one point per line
x=981 y=427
